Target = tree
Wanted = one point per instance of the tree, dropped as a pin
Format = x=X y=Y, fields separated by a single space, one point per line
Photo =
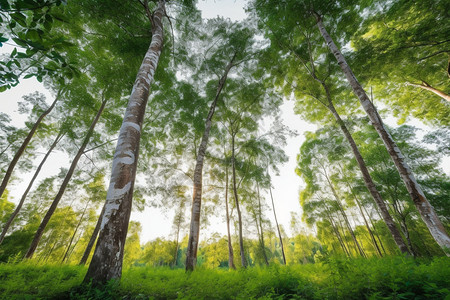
x=106 y=263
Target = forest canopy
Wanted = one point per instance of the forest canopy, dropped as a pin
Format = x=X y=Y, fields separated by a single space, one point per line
x=149 y=106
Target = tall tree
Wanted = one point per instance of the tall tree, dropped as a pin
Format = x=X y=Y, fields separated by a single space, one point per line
x=426 y=211
x=57 y=199
x=106 y=262
x=25 y=143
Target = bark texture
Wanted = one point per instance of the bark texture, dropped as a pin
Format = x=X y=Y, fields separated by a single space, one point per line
x=106 y=262
x=191 y=254
x=425 y=209
x=30 y=184
x=62 y=189
x=24 y=145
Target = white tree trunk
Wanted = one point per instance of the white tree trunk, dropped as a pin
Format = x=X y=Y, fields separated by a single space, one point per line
x=106 y=262
x=426 y=211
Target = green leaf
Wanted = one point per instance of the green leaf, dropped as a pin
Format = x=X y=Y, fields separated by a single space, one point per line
x=3 y=39
x=22 y=55
x=28 y=76
x=19 y=18
x=13 y=53
x=20 y=42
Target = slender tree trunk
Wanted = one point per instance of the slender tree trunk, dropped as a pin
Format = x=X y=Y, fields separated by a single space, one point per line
x=426 y=211
x=370 y=185
x=278 y=227
x=337 y=233
x=53 y=206
x=263 y=247
x=24 y=145
x=24 y=196
x=341 y=209
x=230 y=246
x=94 y=235
x=106 y=262
x=191 y=254
x=428 y=87
x=372 y=237
x=74 y=233
x=236 y=199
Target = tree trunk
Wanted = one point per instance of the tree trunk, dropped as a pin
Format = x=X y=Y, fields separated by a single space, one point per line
x=191 y=254
x=230 y=246
x=341 y=209
x=426 y=211
x=51 y=210
x=24 y=196
x=337 y=233
x=94 y=235
x=106 y=262
x=428 y=87
x=236 y=199
x=278 y=227
x=372 y=237
x=263 y=247
x=24 y=145
x=74 y=233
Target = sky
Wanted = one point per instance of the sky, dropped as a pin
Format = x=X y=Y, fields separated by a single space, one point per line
x=156 y=223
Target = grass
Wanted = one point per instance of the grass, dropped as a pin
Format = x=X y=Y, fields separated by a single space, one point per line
x=335 y=278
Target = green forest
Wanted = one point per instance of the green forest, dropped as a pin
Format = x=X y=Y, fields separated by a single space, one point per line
x=149 y=106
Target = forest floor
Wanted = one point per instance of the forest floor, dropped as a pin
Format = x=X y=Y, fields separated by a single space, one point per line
x=334 y=278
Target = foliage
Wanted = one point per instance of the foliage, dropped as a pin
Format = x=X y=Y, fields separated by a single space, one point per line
x=333 y=278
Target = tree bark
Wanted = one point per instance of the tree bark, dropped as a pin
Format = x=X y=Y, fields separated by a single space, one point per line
x=62 y=189
x=426 y=211
x=91 y=242
x=428 y=87
x=236 y=199
x=106 y=262
x=24 y=145
x=30 y=184
x=230 y=246
x=278 y=227
x=191 y=254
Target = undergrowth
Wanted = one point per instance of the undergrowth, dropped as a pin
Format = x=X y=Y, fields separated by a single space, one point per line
x=334 y=278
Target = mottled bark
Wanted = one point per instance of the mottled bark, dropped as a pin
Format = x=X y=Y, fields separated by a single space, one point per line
x=236 y=200
x=428 y=87
x=93 y=238
x=106 y=262
x=62 y=189
x=30 y=184
x=194 y=232
x=25 y=143
x=425 y=209
x=230 y=246
x=278 y=226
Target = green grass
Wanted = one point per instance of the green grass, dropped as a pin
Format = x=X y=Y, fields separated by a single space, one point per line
x=335 y=278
